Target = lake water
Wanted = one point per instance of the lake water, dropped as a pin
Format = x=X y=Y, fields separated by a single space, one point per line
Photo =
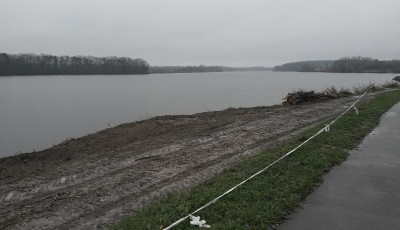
x=39 y=111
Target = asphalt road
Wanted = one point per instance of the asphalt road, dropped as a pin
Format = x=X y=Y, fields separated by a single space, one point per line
x=364 y=191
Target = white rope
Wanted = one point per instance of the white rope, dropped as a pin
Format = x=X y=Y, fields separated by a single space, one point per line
x=355 y=108
x=388 y=89
x=326 y=128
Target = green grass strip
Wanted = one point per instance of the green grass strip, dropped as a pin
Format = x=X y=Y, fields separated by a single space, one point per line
x=266 y=199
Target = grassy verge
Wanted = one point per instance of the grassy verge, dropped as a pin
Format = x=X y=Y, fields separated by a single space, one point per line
x=269 y=197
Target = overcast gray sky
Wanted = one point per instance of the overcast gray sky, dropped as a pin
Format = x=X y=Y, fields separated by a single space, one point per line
x=209 y=32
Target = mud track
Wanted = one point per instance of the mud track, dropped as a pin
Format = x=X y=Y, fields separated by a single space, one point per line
x=97 y=180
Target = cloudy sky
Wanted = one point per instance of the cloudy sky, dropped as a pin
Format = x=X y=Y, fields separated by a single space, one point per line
x=209 y=32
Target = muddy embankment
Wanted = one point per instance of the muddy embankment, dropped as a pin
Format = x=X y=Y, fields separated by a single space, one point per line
x=97 y=180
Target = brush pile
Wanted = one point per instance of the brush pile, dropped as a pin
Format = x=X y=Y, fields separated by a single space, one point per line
x=307 y=96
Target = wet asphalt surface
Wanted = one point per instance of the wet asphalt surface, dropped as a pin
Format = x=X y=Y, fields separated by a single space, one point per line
x=361 y=193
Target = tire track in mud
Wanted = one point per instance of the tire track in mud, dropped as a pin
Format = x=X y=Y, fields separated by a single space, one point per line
x=98 y=187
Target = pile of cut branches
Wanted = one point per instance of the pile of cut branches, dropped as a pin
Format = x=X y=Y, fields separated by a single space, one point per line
x=307 y=96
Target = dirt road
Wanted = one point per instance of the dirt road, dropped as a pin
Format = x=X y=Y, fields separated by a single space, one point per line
x=97 y=180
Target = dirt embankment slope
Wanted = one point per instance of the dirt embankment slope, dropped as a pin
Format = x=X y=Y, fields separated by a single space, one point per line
x=97 y=180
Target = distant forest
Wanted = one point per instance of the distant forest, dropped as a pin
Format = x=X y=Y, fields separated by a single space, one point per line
x=237 y=69
x=184 y=69
x=31 y=64
x=344 y=65
x=202 y=68
x=305 y=66
x=364 y=65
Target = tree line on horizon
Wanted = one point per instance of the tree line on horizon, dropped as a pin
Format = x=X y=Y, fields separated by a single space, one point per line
x=184 y=69
x=203 y=68
x=343 y=65
x=32 y=64
x=364 y=65
x=305 y=66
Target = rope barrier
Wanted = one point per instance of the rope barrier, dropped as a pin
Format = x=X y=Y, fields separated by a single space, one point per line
x=326 y=128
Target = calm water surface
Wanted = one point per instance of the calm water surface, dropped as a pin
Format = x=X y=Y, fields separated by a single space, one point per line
x=39 y=111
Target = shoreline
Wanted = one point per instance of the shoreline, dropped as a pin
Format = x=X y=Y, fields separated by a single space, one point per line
x=100 y=179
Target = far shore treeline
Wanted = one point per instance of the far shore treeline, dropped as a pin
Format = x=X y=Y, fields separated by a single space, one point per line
x=202 y=68
x=344 y=65
x=32 y=64
x=184 y=69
